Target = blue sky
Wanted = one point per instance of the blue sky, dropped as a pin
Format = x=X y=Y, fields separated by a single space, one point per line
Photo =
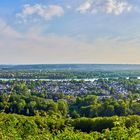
x=65 y=31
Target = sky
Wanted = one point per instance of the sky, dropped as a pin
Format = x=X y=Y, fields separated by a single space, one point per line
x=69 y=31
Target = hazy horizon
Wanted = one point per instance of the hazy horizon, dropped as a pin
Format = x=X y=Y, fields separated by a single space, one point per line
x=69 y=32
x=68 y=64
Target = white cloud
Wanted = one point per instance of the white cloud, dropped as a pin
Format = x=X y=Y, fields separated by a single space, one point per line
x=116 y=7
x=84 y=7
x=42 y=11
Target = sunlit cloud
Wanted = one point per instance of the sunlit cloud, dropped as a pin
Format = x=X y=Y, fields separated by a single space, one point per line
x=40 y=11
x=116 y=7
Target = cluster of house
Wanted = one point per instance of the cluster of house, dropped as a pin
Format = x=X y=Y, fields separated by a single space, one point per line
x=5 y=87
x=72 y=87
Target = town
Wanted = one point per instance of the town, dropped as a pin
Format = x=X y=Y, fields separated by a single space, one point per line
x=101 y=87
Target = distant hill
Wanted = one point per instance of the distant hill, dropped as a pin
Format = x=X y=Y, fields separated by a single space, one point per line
x=73 y=67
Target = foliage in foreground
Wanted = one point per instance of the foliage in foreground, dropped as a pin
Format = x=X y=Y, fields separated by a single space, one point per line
x=54 y=127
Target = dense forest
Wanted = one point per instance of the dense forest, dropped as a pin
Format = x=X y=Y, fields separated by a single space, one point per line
x=36 y=110
x=67 y=74
x=55 y=127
